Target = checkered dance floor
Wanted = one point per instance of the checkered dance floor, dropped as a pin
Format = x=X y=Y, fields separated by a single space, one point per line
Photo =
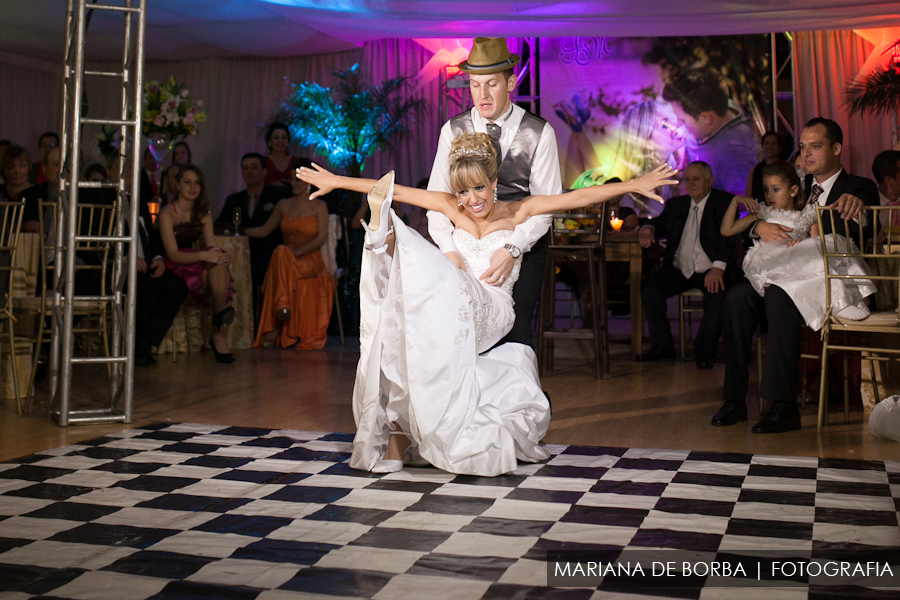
x=195 y=511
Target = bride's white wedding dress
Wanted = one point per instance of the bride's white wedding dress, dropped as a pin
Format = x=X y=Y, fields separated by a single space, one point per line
x=424 y=324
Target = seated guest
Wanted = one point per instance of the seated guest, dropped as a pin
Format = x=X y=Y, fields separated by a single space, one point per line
x=256 y=203
x=46 y=142
x=280 y=165
x=169 y=185
x=697 y=256
x=97 y=173
x=797 y=266
x=15 y=165
x=719 y=134
x=42 y=192
x=886 y=170
x=771 y=151
x=160 y=293
x=828 y=185
x=299 y=291
x=181 y=153
x=181 y=224
x=149 y=188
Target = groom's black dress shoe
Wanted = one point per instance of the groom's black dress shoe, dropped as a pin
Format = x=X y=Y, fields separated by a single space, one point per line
x=655 y=354
x=780 y=418
x=704 y=363
x=730 y=414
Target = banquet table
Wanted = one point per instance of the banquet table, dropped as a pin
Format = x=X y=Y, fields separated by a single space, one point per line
x=24 y=282
x=625 y=247
x=240 y=333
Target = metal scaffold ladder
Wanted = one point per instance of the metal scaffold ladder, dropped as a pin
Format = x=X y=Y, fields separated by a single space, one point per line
x=119 y=297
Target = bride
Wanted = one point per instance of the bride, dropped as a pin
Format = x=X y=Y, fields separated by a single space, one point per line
x=428 y=384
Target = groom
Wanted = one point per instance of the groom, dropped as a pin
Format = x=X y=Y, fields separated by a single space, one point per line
x=529 y=166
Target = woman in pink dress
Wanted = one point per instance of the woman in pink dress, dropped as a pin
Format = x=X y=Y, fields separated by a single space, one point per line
x=205 y=272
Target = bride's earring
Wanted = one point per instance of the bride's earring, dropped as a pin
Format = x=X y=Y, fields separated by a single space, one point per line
x=458 y=202
x=495 y=195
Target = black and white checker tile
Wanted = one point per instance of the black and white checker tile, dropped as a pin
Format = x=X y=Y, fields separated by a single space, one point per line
x=184 y=511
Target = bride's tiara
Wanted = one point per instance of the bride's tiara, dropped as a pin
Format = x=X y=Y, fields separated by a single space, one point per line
x=463 y=152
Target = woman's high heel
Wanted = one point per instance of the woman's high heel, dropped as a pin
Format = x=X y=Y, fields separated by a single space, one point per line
x=379 y=199
x=224 y=358
x=223 y=317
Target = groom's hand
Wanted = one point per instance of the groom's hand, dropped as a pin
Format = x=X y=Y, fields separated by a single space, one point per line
x=457 y=260
x=501 y=266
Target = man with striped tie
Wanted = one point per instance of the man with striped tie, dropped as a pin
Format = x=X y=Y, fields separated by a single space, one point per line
x=829 y=185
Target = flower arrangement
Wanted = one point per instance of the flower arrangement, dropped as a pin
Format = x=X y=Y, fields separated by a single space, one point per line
x=169 y=108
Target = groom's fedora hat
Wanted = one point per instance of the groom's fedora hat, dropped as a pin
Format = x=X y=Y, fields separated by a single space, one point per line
x=489 y=55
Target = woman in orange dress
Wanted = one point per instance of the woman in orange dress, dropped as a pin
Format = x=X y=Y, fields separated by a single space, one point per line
x=298 y=292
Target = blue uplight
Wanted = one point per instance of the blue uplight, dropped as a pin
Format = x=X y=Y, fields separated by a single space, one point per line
x=338 y=6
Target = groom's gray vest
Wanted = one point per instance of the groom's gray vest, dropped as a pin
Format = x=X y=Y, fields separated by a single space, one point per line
x=515 y=170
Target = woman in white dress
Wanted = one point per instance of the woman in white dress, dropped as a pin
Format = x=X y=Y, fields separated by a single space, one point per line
x=796 y=265
x=425 y=373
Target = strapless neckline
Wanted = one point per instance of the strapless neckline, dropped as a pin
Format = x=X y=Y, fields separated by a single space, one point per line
x=476 y=254
x=485 y=236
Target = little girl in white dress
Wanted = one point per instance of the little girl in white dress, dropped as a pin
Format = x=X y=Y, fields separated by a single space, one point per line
x=796 y=265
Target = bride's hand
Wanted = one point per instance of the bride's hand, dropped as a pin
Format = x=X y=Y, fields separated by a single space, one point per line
x=660 y=176
x=319 y=177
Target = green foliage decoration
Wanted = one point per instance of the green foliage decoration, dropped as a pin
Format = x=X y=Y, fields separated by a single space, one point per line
x=348 y=124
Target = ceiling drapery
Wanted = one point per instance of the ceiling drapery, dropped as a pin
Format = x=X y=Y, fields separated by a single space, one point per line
x=232 y=28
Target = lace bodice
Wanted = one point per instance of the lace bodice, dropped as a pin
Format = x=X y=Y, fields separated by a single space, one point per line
x=799 y=220
x=476 y=253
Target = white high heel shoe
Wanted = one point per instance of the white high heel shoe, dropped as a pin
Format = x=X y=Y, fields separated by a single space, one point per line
x=389 y=465
x=379 y=199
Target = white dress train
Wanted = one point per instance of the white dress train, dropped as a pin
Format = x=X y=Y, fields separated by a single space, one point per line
x=424 y=324
x=800 y=269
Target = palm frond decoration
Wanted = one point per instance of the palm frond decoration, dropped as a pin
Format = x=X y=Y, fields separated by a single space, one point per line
x=877 y=95
x=348 y=124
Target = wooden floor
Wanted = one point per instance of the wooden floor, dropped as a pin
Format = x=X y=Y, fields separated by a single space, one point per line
x=657 y=405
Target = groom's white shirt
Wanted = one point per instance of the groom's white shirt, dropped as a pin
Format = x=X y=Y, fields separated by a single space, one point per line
x=545 y=178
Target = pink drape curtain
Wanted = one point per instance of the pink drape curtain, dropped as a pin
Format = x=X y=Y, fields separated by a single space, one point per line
x=824 y=63
x=411 y=159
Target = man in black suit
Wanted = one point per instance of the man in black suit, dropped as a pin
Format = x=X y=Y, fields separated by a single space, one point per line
x=697 y=256
x=256 y=204
x=160 y=292
x=828 y=184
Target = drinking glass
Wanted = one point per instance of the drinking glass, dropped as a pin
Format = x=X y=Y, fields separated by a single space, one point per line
x=236 y=219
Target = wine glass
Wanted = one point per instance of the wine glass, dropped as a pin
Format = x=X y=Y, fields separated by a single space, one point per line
x=236 y=216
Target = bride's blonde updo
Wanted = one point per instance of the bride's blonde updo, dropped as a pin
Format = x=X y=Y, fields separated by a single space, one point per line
x=473 y=162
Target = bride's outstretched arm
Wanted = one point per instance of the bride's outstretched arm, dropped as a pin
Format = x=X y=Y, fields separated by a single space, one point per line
x=644 y=185
x=327 y=181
